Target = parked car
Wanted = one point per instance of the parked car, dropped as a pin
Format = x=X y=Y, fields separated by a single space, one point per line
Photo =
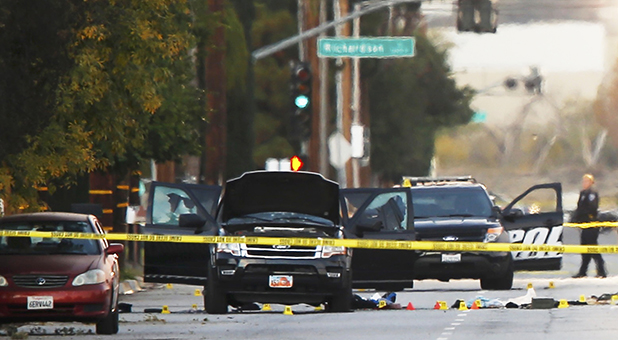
x=264 y=204
x=460 y=209
x=58 y=279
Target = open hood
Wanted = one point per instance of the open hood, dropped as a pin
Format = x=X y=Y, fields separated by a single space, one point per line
x=270 y=191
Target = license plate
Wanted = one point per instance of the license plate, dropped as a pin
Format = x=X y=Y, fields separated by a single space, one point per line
x=280 y=281
x=40 y=302
x=451 y=258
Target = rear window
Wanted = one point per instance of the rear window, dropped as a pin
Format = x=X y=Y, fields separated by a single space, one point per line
x=10 y=245
x=451 y=202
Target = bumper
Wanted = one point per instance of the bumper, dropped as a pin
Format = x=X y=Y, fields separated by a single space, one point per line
x=246 y=280
x=86 y=303
x=471 y=266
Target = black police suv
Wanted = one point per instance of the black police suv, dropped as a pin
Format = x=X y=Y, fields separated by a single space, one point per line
x=458 y=209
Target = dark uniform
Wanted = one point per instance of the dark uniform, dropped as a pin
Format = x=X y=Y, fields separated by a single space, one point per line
x=586 y=211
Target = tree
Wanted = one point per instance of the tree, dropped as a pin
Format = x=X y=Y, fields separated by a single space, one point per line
x=409 y=100
x=274 y=22
x=112 y=88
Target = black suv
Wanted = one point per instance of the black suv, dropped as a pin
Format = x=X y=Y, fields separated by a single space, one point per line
x=278 y=204
x=266 y=204
x=460 y=209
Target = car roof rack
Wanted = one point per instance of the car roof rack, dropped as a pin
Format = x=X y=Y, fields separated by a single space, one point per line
x=409 y=181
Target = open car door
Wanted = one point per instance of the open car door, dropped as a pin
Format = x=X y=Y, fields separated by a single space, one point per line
x=385 y=214
x=535 y=217
x=179 y=209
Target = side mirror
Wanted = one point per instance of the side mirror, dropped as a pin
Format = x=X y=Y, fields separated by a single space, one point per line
x=191 y=221
x=513 y=213
x=496 y=212
x=115 y=248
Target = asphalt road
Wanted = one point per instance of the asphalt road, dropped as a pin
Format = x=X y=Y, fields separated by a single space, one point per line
x=424 y=322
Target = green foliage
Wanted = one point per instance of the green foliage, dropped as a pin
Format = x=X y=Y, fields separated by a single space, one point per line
x=110 y=86
x=409 y=100
x=237 y=54
x=272 y=76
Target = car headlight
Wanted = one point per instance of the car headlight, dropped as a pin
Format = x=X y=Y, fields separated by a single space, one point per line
x=230 y=248
x=493 y=234
x=328 y=251
x=3 y=281
x=91 y=277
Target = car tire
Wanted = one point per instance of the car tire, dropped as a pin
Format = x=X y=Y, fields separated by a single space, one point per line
x=215 y=300
x=109 y=324
x=342 y=301
x=505 y=282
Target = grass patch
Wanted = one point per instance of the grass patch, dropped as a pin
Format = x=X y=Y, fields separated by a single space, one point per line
x=129 y=272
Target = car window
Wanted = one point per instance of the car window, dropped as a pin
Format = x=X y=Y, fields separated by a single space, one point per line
x=538 y=201
x=45 y=245
x=450 y=202
x=392 y=207
x=169 y=203
x=353 y=201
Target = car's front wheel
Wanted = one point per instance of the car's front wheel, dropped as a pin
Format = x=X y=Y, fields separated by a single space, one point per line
x=214 y=299
x=109 y=324
x=342 y=301
x=504 y=282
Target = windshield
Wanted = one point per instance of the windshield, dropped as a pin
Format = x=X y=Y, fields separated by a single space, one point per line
x=43 y=246
x=278 y=217
x=451 y=202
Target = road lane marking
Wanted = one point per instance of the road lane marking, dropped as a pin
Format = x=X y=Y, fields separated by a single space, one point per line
x=455 y=324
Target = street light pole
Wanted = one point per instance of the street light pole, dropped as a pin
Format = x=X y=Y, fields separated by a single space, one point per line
x=323 y=115
x=356 y=96
x=341 y=172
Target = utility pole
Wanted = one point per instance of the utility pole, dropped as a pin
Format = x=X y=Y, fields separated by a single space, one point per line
x=342 y=79
x=356 y=96
x=311 y=16
x=323 y=114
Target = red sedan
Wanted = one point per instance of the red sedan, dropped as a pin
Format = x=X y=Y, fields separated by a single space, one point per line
x=58 y=279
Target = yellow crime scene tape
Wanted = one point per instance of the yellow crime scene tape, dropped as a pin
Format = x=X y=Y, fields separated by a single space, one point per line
x=350 y=243
x=592 y=225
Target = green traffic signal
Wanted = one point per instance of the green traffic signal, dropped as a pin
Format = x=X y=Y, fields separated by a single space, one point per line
x=301 y=101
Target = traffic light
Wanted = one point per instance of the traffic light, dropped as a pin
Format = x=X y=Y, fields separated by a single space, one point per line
x=301 y=100
x=477 y=16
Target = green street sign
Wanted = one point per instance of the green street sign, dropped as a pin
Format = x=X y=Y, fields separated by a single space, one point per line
x=386 y=47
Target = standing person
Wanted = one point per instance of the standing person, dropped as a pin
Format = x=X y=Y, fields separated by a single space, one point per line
x=586 y=211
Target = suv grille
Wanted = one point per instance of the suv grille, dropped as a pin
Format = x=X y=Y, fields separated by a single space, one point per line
x=40 y=281
x=281 y=251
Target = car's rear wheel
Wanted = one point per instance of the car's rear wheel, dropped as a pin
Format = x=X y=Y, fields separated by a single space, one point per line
x=214 y=299
x=109 y=324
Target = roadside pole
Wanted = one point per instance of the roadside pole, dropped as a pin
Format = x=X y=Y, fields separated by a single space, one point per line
x=323 y=115
x=341 y=172
x=356 y=97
